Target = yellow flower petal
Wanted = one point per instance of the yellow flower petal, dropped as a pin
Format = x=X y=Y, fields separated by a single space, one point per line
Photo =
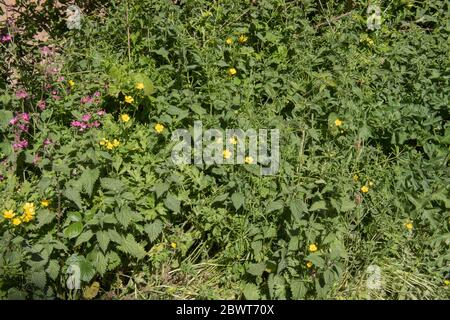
x=124 y=117
x=159 y=128
x=129 y=99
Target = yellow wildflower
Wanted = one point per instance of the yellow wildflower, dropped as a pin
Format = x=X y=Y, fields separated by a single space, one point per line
x=338 y=123
x=446 y=282
x=8 y=214
x=140 y=86
x=124 y=117
x=229 y=41
x=103 y=142
x=109 y=145
x=129 y=99
x=116 y=143
x=159 y=128
x=233 y=140
x=173 y=245
x=45 y=203
x=232 y=72
x=312 y=247
x=355 y=177
x=248 y=160
x=27 y=218
x=71 y=83
x=28 y=208
x=226 y=154
x=309 y=264
x=16 y=221
x=242 y=38
x=409 y=226
x=364 y=189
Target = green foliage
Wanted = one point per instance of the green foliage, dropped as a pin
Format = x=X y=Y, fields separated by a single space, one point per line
x=364 y=142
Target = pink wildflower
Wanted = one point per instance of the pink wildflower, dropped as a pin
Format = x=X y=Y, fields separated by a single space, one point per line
x=21 y=94
x=42 y=105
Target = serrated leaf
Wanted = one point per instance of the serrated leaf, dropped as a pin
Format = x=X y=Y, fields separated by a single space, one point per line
x=99 y=261
x=44 y=217
x=275 y=206
x=113 y=260
x=153 y=229
x=73 y=195
x=347 y=204
x=87 y=270
x=297 y=208
x=73 y=230
x=133 y=248
x=38 y=279
x=53 y=269
x=160 y=188
x=102 y=239
x=172 y=203
x=88 y=179
x=124 y=216
x=298 y=289
x=84 y=237
x=318 y=205
x=237 y=199
x=251 y=291
x=114 y=185
x=115 y=236
x=256 y=269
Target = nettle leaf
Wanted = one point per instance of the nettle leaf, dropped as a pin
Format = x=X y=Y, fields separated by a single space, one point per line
x=256 y=269
x=318 y=205
x=160 y=188
x=73 y=195
x=53 y=269
x=298 y=208
x=103 y=239
x=154 y=229
x=73 y=230
x=44 y=217
x=115 y=236
x=39 y=279
x=238 y=200
x=87 y=271
x=84 y=237
x=88 y=179
x=124 y=216
x=114 y=185
x=298 y=289
x=275 y=206
x=99 y=261
x=172 y=203
x=130 y=246
x=113 y=260
x=251 y=291
x=347 y=204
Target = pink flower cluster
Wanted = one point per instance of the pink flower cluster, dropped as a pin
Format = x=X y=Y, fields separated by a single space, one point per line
x=20 y=122
x=22 y=94
x=5 y=38
x=42 y=105
x=91 y=99
x=87 y=121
